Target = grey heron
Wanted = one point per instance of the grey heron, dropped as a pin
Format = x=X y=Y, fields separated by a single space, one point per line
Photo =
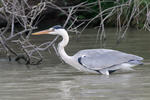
x=104 y=61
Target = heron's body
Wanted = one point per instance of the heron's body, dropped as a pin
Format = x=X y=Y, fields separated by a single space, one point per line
x=102 y=61
x=111 y=60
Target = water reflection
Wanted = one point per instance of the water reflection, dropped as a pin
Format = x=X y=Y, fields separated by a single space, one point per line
x=53 y=80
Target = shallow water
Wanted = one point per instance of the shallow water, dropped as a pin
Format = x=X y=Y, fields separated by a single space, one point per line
x=53 y=80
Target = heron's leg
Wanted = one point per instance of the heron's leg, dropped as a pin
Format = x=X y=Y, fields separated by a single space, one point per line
x=104 y=71
x=111 y=71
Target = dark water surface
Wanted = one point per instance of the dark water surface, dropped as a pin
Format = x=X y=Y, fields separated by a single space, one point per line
x=53 y=80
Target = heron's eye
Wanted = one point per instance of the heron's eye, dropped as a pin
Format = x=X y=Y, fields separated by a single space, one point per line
x=83 y=56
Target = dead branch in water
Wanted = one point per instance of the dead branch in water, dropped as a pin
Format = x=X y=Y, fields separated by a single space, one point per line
x=16 y=11
x=20 y=12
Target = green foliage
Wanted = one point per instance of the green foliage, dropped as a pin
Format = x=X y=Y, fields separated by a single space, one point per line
x=146 y=1
x=137 y=21
x=94 y=10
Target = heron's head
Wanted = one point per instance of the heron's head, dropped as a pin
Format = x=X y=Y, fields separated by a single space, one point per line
x=55 y=30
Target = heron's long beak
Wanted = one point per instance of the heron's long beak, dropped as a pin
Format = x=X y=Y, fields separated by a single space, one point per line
x=41 y=32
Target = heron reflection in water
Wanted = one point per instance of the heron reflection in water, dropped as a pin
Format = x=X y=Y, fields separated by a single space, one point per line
x=104 y=61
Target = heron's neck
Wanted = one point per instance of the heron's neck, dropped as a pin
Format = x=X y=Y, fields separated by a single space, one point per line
x=61 y=47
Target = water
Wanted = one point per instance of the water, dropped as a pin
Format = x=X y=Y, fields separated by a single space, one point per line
x=53 y=80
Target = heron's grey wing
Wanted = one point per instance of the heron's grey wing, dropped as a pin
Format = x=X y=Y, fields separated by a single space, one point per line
x=97 y=59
